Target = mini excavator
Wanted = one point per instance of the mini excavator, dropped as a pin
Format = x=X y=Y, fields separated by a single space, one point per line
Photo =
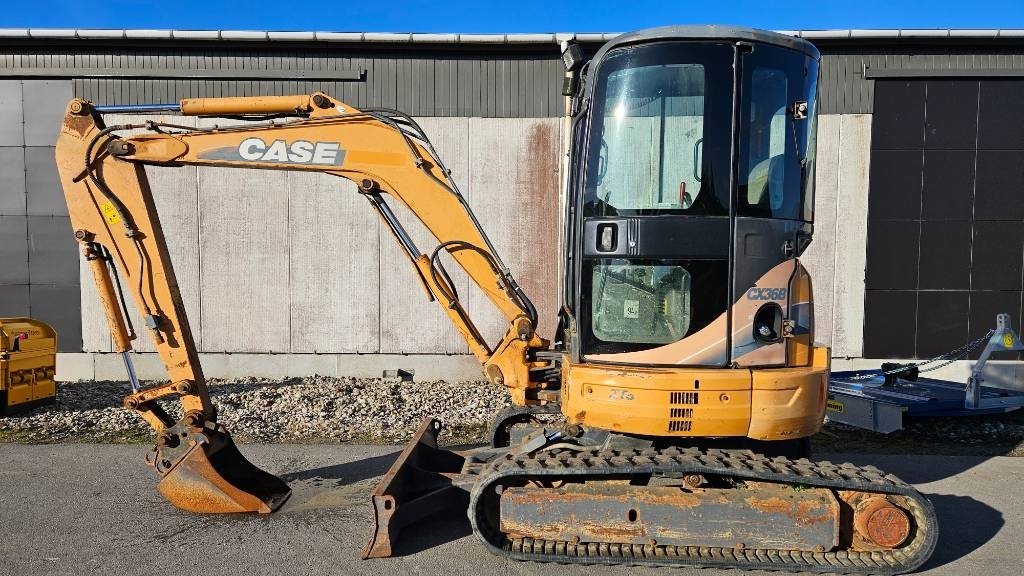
x=666 y=423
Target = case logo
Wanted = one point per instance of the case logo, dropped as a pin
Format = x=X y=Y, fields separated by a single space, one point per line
x=298 y=152
x=279 y=151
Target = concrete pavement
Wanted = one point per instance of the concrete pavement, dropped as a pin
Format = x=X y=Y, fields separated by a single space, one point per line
x=94 y=509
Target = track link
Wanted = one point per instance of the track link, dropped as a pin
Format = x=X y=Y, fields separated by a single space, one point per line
x=738 y=464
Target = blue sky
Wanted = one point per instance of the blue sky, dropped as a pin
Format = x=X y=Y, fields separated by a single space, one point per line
x=510 y=15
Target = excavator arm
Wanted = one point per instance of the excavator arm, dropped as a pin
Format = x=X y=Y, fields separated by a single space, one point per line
x=115 y=220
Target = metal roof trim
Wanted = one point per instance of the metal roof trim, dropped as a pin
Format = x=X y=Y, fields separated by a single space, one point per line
x=243 y=35
x=530 y=38
x=195 y=34
x=873 y=33
x=52 y=33
x=291 y=36
x=433 y=38
x=148 y=34
x=89 y=34
x=387 y=37
x=924 y=33
x=339 y=36
x=974 y=33
x=812 y=34
x=526 y=38
x=483 y=38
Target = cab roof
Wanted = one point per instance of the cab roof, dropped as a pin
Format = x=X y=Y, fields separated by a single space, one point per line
x=709 y=32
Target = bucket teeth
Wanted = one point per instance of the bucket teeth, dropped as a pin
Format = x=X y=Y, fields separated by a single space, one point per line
x=204 y=472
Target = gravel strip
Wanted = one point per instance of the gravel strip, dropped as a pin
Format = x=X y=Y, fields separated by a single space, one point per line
x=318 y=408
x=375 y=410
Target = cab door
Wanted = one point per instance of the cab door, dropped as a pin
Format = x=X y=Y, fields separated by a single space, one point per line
x=774 y=202
x=653 y=238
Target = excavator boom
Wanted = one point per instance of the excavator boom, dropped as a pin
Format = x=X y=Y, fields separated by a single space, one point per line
x=115 y=221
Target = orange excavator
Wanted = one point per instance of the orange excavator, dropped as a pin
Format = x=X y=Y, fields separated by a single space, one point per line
x=683 y=368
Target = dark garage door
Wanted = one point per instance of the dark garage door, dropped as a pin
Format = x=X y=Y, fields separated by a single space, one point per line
x=945 y=213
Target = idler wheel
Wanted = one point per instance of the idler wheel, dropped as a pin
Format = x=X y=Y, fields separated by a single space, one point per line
x=882 y=522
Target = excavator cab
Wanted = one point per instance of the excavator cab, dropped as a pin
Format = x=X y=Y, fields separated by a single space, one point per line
x=690 y=199
x=691 y=194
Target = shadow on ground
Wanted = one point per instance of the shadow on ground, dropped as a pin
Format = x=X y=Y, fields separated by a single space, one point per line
x=345 y=473
x=964 y=526
x=911 y=470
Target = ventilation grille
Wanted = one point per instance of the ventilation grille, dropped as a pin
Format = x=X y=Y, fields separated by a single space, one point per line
x=683 y=398
x=681 y=419
x=679 y=425
x=682 y=413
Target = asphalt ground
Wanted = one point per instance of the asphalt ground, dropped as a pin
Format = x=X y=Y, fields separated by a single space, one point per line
x=94 y=509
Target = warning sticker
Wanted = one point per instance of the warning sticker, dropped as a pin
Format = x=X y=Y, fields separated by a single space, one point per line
x=631 y=309
x=110 y=212
x=1008 y=340
x=834 y=406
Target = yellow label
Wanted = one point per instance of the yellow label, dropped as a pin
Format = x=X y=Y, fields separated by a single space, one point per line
x=834 y=406
x=109 y=212
x=1008 y=340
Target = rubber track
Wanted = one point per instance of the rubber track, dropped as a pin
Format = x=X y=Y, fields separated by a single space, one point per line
x=739 y=464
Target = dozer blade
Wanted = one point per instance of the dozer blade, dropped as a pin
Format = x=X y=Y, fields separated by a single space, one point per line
x=204 y=472
x=423 y=481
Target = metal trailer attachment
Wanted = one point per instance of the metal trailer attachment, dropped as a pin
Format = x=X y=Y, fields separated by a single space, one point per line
x=878 y=400
x=28 y=363
x=420 y=483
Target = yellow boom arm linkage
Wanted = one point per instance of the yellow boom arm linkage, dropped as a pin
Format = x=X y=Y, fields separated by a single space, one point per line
x=114 y=218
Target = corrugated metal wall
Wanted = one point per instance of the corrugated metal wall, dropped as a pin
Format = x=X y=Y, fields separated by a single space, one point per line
x=464 y=80
x=845 y=90
x=483 y=82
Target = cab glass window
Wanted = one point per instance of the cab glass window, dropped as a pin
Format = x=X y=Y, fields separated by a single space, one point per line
x=776 y=176
x=660 y=130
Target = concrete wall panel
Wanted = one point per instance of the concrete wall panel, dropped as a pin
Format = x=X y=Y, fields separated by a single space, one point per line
x=851 y=235
x=95 y=331
x=820 y=257
x=12 y=122
x=12 y=178
x=45 y=195
x=14 y=299
x=57 y=305
x=515 y=184
x=13 y=250
x=334 y=280
x=52 y=251
x=44 y=103
x=243 y=244
x=409 y=323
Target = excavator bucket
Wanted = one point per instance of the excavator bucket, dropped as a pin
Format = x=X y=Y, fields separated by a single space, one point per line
x=211 y=476
x=423 y=481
